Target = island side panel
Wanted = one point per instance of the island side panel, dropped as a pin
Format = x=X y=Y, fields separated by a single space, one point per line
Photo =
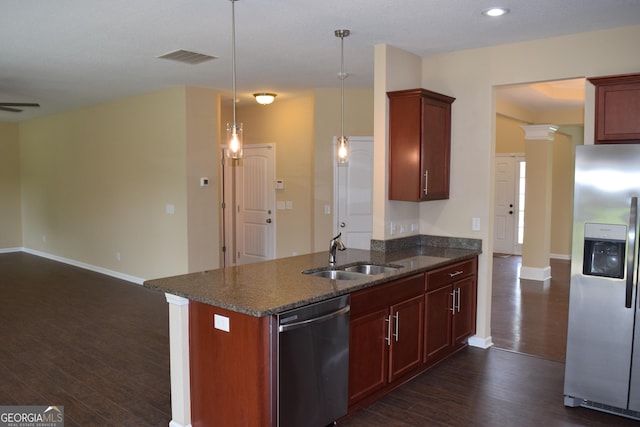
x=230 y=371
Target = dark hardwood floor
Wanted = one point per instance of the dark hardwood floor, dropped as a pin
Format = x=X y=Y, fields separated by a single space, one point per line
x=96 y=345
x=527 y=316
x=99 y=347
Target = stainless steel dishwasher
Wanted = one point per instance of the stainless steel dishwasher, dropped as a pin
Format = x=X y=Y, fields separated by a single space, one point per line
x=313 y=363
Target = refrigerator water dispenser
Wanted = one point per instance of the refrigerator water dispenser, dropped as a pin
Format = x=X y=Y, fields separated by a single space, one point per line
x=604 y=250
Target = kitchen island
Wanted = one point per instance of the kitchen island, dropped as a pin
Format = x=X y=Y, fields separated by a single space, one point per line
x=209 y=363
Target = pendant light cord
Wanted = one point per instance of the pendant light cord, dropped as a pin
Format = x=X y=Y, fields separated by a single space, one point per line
x=233 y=59
x=342 y=77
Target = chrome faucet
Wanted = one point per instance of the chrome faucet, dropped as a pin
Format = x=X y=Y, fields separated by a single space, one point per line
x=335 y=243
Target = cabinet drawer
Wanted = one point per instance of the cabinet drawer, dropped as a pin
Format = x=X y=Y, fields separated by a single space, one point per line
x=445 y=275
x=376 y=297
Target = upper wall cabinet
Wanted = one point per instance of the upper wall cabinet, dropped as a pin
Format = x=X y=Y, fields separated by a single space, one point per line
x=419 y=145
x=617 y=118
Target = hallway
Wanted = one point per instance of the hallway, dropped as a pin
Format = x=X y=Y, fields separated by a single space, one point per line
x=528 y=316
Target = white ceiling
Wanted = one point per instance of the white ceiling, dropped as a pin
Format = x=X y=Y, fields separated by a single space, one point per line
x=67 y=54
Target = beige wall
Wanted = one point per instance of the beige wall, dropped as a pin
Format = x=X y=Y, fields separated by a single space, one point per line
x=470 y=77
x=10 y=213
x=358 y=121
x=202 y=106
x=562 y=195
x=96 y=183
x=302 y=129
x=287 y=123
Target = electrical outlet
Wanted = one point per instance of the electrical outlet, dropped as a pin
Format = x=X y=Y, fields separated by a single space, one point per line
x=404 y=228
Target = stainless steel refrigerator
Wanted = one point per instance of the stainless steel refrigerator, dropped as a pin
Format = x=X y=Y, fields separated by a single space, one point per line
x=602 y=369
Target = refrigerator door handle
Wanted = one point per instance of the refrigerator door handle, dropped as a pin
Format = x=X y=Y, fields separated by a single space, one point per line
x=631 y=253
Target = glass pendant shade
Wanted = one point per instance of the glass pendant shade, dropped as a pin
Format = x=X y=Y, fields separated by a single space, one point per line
x=234 y=141
x=343 y=150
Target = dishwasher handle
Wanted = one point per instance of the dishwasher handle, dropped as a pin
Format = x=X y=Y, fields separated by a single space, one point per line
x=296 y=325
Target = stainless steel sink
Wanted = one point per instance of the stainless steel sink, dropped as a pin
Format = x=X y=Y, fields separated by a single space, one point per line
x=370 y=269
x=352 y=272
x=336 y=274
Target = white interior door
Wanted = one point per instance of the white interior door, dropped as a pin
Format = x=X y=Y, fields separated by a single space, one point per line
x=255 y=204
x=506 y=204
x=353 y=194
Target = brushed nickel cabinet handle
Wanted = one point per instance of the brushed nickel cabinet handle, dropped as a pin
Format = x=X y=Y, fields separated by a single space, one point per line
x=388 y=337
x=397 y=317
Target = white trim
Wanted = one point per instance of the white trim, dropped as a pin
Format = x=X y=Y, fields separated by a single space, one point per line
x=534 y=273
x=175 y=299
x=539 y=132
x=179 y=361
x=10 y=250
x=177 y=424
x=116 y=274
x=476 y=341
x=561 y=256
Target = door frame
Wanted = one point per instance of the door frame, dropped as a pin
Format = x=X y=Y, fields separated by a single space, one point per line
x=229 y=202
x=516 y=248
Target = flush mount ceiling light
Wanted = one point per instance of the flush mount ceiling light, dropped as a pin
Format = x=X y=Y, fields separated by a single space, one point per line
x=234 y=131
x=495 y=12
x=265 y=98
x=343 y=141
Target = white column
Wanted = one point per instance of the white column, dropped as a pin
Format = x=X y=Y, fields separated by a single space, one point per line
x=537 y=230
x=179 y=361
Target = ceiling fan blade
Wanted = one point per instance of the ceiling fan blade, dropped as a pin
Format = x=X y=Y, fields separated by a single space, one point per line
x=18 y=104
x=13 y=110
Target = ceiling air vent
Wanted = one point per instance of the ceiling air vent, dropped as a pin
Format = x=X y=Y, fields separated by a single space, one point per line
x=187 y=57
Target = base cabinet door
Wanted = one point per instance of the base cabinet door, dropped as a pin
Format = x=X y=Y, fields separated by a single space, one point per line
x=368 y=354
x=464 y=317
x=386 y=336
x=438 y=324
x=407 y=319
x=450 y=309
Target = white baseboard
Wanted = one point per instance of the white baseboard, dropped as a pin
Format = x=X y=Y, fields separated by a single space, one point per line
x=476 y=341
x=107 y=272
x=10 y=250
x=177 y=424
x=535 y=273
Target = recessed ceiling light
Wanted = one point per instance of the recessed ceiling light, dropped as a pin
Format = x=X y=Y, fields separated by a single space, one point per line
x=495 y=11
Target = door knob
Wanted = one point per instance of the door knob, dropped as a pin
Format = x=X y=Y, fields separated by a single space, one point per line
x=342 y=224
x=268 y=220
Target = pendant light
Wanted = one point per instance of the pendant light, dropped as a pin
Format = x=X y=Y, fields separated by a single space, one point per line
x=343 y=141
x=234 y=131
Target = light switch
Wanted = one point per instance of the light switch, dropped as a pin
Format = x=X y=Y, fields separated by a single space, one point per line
x=475 y=224
x=171 y=209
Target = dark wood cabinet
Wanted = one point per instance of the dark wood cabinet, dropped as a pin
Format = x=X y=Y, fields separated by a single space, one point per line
x=386 y=336
x=450 y=305
x=419 y=145
x=617 y=109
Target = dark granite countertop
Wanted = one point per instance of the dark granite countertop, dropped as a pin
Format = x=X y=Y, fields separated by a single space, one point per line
x=274 y=286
